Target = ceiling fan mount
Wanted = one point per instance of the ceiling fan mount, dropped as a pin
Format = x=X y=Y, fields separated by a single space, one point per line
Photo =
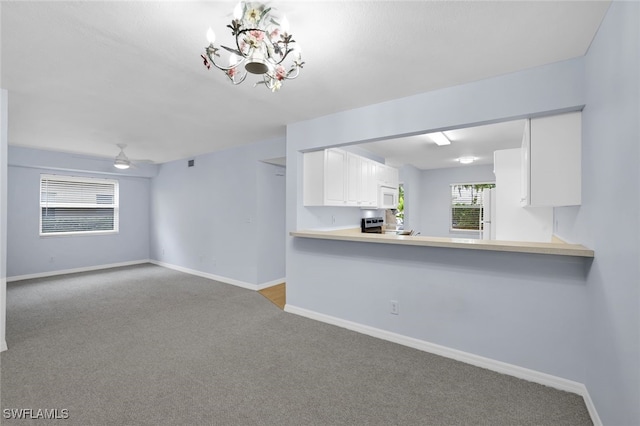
x=122 y=161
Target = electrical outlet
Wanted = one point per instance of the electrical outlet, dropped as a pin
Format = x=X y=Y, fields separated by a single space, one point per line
x=395 y=307
x=51 y=259
x=163 y=252
x=333 y=219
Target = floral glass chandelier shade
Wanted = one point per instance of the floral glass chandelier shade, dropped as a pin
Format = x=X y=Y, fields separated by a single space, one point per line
x=263 y=47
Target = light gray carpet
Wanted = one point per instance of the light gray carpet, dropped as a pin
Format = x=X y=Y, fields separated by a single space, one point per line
x=148 y=345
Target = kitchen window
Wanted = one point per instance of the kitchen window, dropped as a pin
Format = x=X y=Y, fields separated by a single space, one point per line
x=400 y=209
x=466 y=206
x=72 y=205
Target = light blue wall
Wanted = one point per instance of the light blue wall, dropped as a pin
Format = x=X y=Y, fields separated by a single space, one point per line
x=608 y=219
x=552 y=88
x=436 y=197
x=205 y=217
x=271 y=222
x=522 y=309
x=355 y=149
x=76 y=163
x=28 y=253
x=565 y=316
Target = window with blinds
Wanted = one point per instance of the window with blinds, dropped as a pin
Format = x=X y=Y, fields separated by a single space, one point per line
x=466 y=206
x=73 y=205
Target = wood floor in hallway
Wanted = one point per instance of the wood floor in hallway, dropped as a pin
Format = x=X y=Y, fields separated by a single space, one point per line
x=276 y=294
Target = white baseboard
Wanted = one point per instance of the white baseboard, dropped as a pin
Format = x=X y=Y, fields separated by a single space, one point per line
x=226 y=280
x=75 y=270
x=3 y=313
x=466 y=357
x=595 y=418
x=270 y=283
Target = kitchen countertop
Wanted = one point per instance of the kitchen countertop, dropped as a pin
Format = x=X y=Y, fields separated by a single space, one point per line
x=354 y=234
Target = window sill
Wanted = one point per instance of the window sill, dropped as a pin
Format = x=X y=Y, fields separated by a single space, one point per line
x=78 y=234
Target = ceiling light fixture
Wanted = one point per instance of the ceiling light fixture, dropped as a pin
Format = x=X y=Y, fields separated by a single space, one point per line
x=122 y=162
x=439 y=138
x=263 y=45
x=466 y=160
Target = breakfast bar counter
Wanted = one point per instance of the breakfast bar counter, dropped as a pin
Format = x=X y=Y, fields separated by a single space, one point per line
x=354 y=234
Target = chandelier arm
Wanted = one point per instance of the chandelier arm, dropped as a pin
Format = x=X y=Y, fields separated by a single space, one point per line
x=236 y=82
x=294 y=68
x=238 y=44
x=267 y=81
x=246 y=30
x=286 y=53
x=220 y=67
x=234 y=51
x=284 y=57
x=277 y=43
x=242 y=33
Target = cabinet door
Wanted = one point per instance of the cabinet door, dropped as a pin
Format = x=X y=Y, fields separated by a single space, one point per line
x=388 y=176
x=335 y=176
x=354 y=179
x=383 y=174
x=370 y=187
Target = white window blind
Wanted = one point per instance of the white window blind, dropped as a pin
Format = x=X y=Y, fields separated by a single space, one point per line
x=73 y=205
x=466 y=206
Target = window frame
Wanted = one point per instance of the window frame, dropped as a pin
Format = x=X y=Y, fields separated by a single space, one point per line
x=453 y=230
x=115 y=205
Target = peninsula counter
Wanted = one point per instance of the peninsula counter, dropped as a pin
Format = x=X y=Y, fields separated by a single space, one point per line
x=354 y=234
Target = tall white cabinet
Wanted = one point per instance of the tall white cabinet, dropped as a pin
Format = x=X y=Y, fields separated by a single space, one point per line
x=513 y=222
x=551 y=161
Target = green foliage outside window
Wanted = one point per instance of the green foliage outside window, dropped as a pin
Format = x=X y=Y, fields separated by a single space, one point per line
x=400 y=212
x=466 y=206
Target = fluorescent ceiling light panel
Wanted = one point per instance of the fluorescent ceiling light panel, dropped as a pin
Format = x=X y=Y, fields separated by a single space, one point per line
x=466 y=160
x=439 y=138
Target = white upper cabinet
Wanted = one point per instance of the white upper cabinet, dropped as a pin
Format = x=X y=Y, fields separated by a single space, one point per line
x=552 y=161
x=334 y=177
x=325 y=174
x=387 y=176
x=354 y=179
x=369 y=192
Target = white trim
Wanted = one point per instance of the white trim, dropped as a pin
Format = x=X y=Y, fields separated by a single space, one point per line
x=75 y=270
x=232 y=281
x=595 y=418
x=466 y=357
x=3 y=312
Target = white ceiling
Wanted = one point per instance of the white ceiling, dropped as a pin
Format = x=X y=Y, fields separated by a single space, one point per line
x=83 y=76
x=479 y=142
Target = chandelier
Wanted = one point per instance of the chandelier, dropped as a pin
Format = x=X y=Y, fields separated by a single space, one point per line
x=263 y=45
